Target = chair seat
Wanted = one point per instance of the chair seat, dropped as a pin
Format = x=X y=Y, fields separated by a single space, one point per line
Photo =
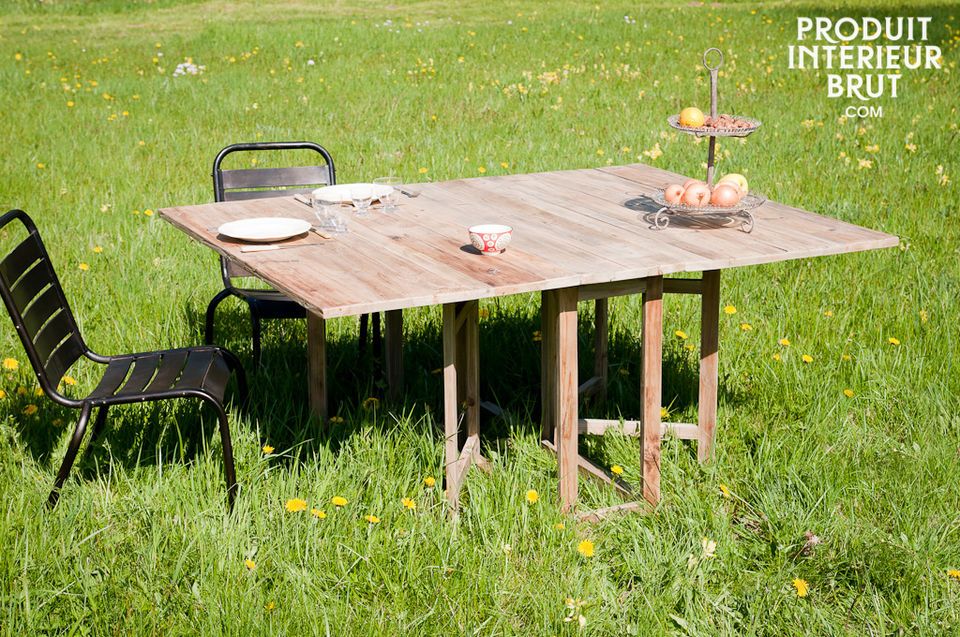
x=271 y=303
x=164 y=374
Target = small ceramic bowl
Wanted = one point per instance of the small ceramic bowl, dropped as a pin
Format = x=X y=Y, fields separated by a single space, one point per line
x=490 y=238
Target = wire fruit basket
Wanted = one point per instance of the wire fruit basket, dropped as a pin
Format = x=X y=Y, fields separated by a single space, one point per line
x=729 y=126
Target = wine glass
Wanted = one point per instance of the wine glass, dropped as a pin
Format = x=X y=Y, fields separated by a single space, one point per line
x=361 y=196
x=389 y=199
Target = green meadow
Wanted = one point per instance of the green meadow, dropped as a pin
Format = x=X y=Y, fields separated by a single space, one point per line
x=838 y=414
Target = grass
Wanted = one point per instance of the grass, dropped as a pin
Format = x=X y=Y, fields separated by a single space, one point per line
x=140 y=542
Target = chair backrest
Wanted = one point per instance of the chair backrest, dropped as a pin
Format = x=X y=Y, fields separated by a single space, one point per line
x=38 y=307
x=256 y=183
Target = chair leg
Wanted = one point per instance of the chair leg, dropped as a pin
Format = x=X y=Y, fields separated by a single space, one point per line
x=377 y=336
x=211 y=310
x=71 y=455
x=255 y=324
x=98 y=425
x=363 y=333
x=228 y=467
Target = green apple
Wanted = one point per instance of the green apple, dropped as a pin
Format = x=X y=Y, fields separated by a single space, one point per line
x=738 y=179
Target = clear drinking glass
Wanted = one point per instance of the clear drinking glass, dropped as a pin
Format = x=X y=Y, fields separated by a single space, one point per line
x=329 y=211
x=361 y=196
x=389 y=200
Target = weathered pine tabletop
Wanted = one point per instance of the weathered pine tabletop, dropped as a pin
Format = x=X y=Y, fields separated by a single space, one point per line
x=578 y=235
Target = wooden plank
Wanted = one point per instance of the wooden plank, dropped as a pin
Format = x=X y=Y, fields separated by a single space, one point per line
x=317 y=365
x=471 y=346
x=599 y=514
x=709 y=362
x=682 y=286
x=394 y=353
x=601 y=339
x=651 y=382
x=548 y=367
x=457 y=471
x=563 y=331
x=451 y=424
x=600 y=426
x=636 y=286
x=589 y=470
x=590 y=386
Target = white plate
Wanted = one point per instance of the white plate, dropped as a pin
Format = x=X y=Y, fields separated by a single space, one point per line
x=264 y=229
x=341 y=192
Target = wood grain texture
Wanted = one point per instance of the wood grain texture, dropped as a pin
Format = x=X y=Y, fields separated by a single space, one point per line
x=571 y=228
x=394 y=353
x=601 y=340
x=317 y=365
x=651 y=385
x=709 y=363
x=563 y=390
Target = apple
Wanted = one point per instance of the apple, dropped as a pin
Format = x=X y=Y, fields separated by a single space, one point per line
x=696 y=195
x=690 y=182
x=725 y=196
x=673 y=193
x=692 y=117
x=737 y=179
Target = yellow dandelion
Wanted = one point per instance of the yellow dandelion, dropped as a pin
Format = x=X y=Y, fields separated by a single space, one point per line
x=250 y=564
x=848 y=393
x=864 y=163
x=845 y=357
x=11 y=364
x=267 y=450
x=689 y=347
x=18 y=56
x=37 y=391
x=70 y=104
x=729 y=309
x=134 y=212
x=532 y=496
x=84 y=266
x=681 y=335
x=336 y=419
x=893 y=341
x=429 y=482
x=3 y=394
x=537 y=336
x=423 y=170
x=586 y=548
x=600 y=152
x=616 y=470
x=559 y=526
x=372 y=519
x=318 y=513
x=954 y=573
x=371 y=403
x=828 y=313
x=784 y=341
x=664 y=412
x=746 y=327
x=41 y=165
x=338 y=501
x=725 y=491
x=148 y=212
x=409 y=504
x=504 y=164
x=269 y=606
x=296 y=505
x=97 y=249
x=30 y=410
x=481 y=169
x=807 y=358
x=924 y=317
x=802 y=586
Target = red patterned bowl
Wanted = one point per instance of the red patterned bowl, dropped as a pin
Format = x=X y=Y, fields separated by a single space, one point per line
x=490 y=238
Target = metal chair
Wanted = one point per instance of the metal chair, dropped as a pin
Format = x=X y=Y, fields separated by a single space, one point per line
x=35 y=300
x=254 y=183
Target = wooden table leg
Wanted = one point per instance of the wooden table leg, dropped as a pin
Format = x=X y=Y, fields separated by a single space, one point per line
x=461 y=385
x=394 y=358
x=651 y=382
x=560 y=344
x=548 y=366
x=709 y=345
x=601 y=338
x=317 y=364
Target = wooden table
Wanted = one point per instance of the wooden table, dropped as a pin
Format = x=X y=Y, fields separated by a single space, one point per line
x=578 y=235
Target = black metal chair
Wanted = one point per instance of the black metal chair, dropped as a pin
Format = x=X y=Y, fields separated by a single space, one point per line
x=255 y=183
x=35 y=300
